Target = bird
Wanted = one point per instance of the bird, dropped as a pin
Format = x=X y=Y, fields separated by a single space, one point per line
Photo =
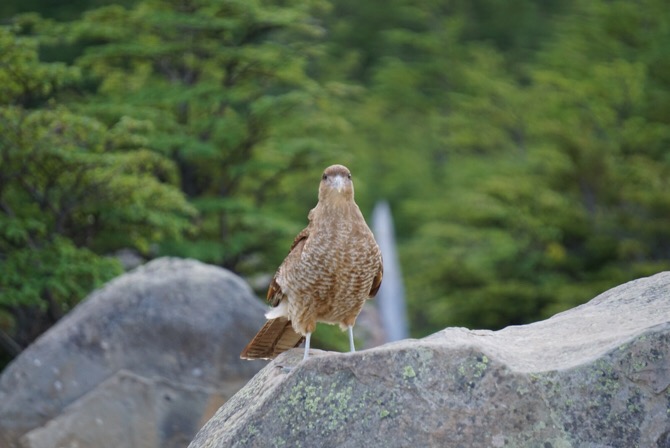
x=333 y=266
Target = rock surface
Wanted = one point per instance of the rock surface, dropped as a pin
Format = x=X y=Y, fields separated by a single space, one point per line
x=594 y=376
x=142 y=362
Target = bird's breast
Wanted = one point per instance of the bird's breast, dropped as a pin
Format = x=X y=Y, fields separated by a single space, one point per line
x=335 y=270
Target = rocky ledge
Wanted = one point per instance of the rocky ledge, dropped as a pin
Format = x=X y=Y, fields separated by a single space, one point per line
x=594 y=376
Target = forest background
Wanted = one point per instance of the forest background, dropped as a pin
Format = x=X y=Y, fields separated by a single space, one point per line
x=523 y=145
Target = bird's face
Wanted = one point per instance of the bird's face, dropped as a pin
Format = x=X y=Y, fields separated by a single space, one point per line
x=336 y=181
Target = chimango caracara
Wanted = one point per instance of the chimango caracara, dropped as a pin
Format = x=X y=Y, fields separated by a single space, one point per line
x=333 y=267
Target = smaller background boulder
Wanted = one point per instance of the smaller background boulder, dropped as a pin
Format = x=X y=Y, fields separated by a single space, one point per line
x=142 y=362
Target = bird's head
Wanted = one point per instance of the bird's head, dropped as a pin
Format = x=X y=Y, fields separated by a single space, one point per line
x=336 y=183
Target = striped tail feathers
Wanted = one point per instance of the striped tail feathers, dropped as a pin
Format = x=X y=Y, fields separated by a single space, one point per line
x=276 y=337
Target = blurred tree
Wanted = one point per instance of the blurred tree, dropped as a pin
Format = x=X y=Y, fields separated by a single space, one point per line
x=363 y=34
x=71 y=188
x=226 y=85
x=416 y=60
x=52 y=9
x=554 y=188
x=608 y=139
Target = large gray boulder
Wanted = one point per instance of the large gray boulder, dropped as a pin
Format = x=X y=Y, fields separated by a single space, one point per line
x=142 y=362
x=594 y=376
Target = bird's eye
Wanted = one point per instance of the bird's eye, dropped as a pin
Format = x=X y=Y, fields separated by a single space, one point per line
x=349 y=176
x=324 y=177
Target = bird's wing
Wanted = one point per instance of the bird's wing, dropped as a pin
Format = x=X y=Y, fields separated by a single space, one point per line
x=377 y=282
x=275 y=293
x=302 y=236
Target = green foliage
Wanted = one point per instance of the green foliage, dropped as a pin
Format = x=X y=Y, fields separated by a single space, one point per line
x=542 y=201
x=68 y=170
x=64 y=270
x=71 y=189
x=226 y=87
x=24 y=79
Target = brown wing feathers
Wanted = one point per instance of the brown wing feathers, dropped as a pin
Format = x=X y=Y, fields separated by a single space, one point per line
x=377 y=282
x=276 y=336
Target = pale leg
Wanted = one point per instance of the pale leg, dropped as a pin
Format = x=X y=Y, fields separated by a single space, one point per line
x=307 y=337
x=351 y=339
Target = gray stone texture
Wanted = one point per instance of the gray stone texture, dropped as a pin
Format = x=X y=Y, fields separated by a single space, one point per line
x=594 y=376
x=142 y=362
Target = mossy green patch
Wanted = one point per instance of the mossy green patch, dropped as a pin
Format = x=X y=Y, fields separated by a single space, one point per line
x=472 y=368
x=324 y=404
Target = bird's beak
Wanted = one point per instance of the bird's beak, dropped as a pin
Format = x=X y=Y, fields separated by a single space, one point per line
x=338 y=183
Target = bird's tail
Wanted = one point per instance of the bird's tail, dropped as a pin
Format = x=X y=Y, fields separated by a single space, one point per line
x=276 y=336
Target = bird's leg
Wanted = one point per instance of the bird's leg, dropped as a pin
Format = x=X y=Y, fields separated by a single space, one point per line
x=351 y=339
x=307 y=337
